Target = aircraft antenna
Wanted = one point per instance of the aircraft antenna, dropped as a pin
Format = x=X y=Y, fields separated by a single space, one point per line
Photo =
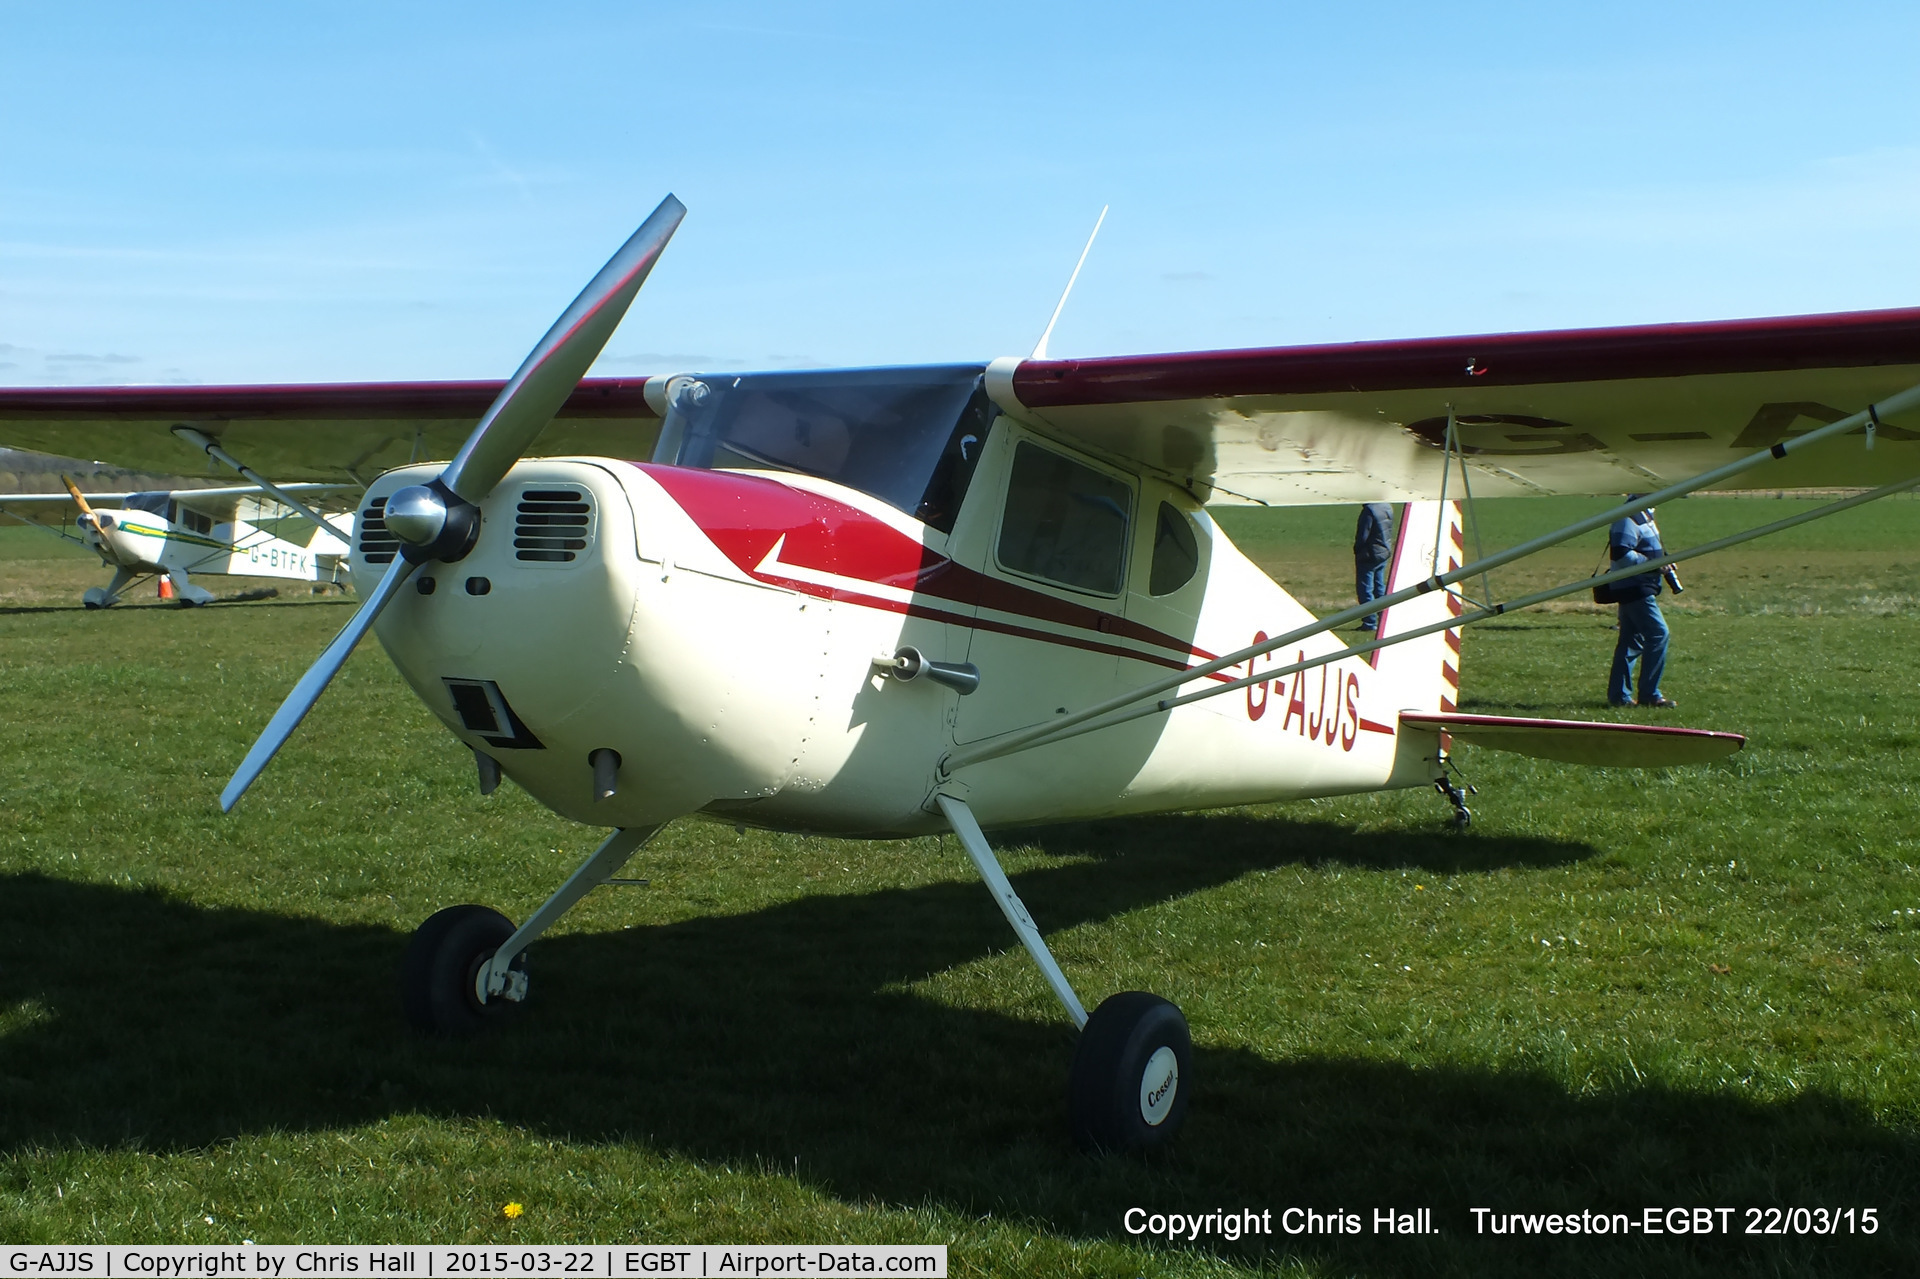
x=1040 y=347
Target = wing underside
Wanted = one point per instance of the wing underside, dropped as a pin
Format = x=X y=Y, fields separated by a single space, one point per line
x=1604 y=411
x=1600 y=411
x=332 y=432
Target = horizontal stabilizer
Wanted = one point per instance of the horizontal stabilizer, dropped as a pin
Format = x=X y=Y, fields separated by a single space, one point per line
x=1577 y=742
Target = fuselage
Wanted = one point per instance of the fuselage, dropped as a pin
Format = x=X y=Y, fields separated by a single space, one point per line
x=146 y=541
x=725 y=632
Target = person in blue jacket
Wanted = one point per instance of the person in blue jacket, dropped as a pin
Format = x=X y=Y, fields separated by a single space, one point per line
x=1372 y=549
x=1643 y=632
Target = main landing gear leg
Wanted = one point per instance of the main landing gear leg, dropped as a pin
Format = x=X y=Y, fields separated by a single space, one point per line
x=109 y=595
x=189 y=595
x=467 y=964
x=1133 y=1069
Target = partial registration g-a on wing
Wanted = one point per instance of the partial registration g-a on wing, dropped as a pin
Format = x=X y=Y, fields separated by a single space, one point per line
x=1572 y=412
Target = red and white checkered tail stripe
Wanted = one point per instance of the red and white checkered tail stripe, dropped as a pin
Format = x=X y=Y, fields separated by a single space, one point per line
x=1424 y=672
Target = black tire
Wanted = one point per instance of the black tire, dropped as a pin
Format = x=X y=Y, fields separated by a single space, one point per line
x=1132 y=1075
x=438 y=971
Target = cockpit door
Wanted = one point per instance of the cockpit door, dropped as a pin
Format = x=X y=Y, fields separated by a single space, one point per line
x=1053 y=562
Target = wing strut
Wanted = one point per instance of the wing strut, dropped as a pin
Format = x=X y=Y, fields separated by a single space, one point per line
x=1900 y=403
x=1128 y=707
x=213 y=450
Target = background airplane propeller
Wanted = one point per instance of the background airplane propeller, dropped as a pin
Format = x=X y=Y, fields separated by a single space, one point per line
x=440 y=520
x=87 y=515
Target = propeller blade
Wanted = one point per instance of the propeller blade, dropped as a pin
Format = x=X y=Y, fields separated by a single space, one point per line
x=548 y=376
x=313 y=683
x=439 y=520
x=79 y=499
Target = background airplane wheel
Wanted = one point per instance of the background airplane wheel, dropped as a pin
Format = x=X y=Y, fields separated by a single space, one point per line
x=437 y=974
x=1132 y=1075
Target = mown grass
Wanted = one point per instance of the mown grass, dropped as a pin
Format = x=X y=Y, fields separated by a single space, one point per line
x=1619 y=990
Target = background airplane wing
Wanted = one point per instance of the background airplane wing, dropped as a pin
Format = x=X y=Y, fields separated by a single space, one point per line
x=1574 y=412
x=332 y=432
x=219 y=504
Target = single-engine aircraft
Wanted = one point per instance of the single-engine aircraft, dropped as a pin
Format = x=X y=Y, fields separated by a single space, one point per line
x=888 y=602
x=240 y=530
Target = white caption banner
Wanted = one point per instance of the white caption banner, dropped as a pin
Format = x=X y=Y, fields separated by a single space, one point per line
x=418 y=1261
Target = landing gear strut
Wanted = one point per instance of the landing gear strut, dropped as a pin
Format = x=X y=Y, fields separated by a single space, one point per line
x=468 y=964
x=1462 y=815
x=438 y=977
x=1133 y=1068
x=109 y=595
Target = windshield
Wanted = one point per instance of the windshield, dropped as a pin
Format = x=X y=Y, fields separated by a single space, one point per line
x=908 y=436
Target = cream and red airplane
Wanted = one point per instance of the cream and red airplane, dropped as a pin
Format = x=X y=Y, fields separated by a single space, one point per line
x=170 y=534
x=889 y=602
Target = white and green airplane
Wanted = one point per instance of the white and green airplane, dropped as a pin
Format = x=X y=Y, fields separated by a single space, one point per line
x=243 y=530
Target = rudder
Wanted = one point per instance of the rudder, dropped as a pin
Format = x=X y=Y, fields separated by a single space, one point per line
x=1423 y=674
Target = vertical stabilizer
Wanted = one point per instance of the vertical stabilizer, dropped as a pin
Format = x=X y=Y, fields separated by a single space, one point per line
x=1423 y=674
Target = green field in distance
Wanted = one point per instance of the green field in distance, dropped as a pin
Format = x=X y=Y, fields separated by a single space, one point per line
x=1619 y=990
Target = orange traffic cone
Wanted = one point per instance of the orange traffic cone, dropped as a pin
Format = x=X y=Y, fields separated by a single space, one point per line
x=166 y=588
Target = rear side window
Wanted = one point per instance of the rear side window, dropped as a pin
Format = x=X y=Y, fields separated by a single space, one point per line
x=1065 y=522
x=1176 y=554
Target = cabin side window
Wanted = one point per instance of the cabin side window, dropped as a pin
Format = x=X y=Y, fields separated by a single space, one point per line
x=1176 y=552
x=194 y=521
x=1065 y=522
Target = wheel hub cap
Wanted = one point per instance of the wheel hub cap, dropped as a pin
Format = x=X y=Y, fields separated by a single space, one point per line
x=1158 y=1084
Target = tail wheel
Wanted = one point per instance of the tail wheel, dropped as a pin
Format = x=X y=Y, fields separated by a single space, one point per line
x=438 y=976
x=1132 y=1075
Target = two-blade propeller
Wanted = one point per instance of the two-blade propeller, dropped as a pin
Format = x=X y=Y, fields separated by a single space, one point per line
x=440 y=520
x=87 y=515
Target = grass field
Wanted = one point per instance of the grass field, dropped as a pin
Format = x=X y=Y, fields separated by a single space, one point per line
x=1620 y=990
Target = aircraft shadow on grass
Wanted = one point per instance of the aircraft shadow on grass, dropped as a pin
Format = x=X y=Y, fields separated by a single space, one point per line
x=167 y=606
x=785 y=1037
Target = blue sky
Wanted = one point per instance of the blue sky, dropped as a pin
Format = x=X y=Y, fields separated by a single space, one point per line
x=281 y=192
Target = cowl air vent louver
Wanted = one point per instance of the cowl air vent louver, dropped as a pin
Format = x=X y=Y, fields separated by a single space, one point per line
x=552 y=525
x=377 y=545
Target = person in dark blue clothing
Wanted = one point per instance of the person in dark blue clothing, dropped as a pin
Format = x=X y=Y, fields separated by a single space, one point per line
x=1643 y=632
x=1372 y=549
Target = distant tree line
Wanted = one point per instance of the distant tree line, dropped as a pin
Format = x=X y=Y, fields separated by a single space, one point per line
x=22 y=471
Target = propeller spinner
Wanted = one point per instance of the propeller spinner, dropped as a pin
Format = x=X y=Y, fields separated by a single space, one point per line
x=441 y=520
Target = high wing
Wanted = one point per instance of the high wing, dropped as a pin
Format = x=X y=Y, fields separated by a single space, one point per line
x=322 y=432
x=218 y=504
x=1573 y=412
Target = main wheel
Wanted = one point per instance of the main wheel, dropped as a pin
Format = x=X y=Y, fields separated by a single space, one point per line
x=1132 y=1075
x=438 y=974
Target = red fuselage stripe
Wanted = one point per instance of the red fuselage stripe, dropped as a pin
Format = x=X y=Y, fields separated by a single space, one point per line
x=746 y=516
